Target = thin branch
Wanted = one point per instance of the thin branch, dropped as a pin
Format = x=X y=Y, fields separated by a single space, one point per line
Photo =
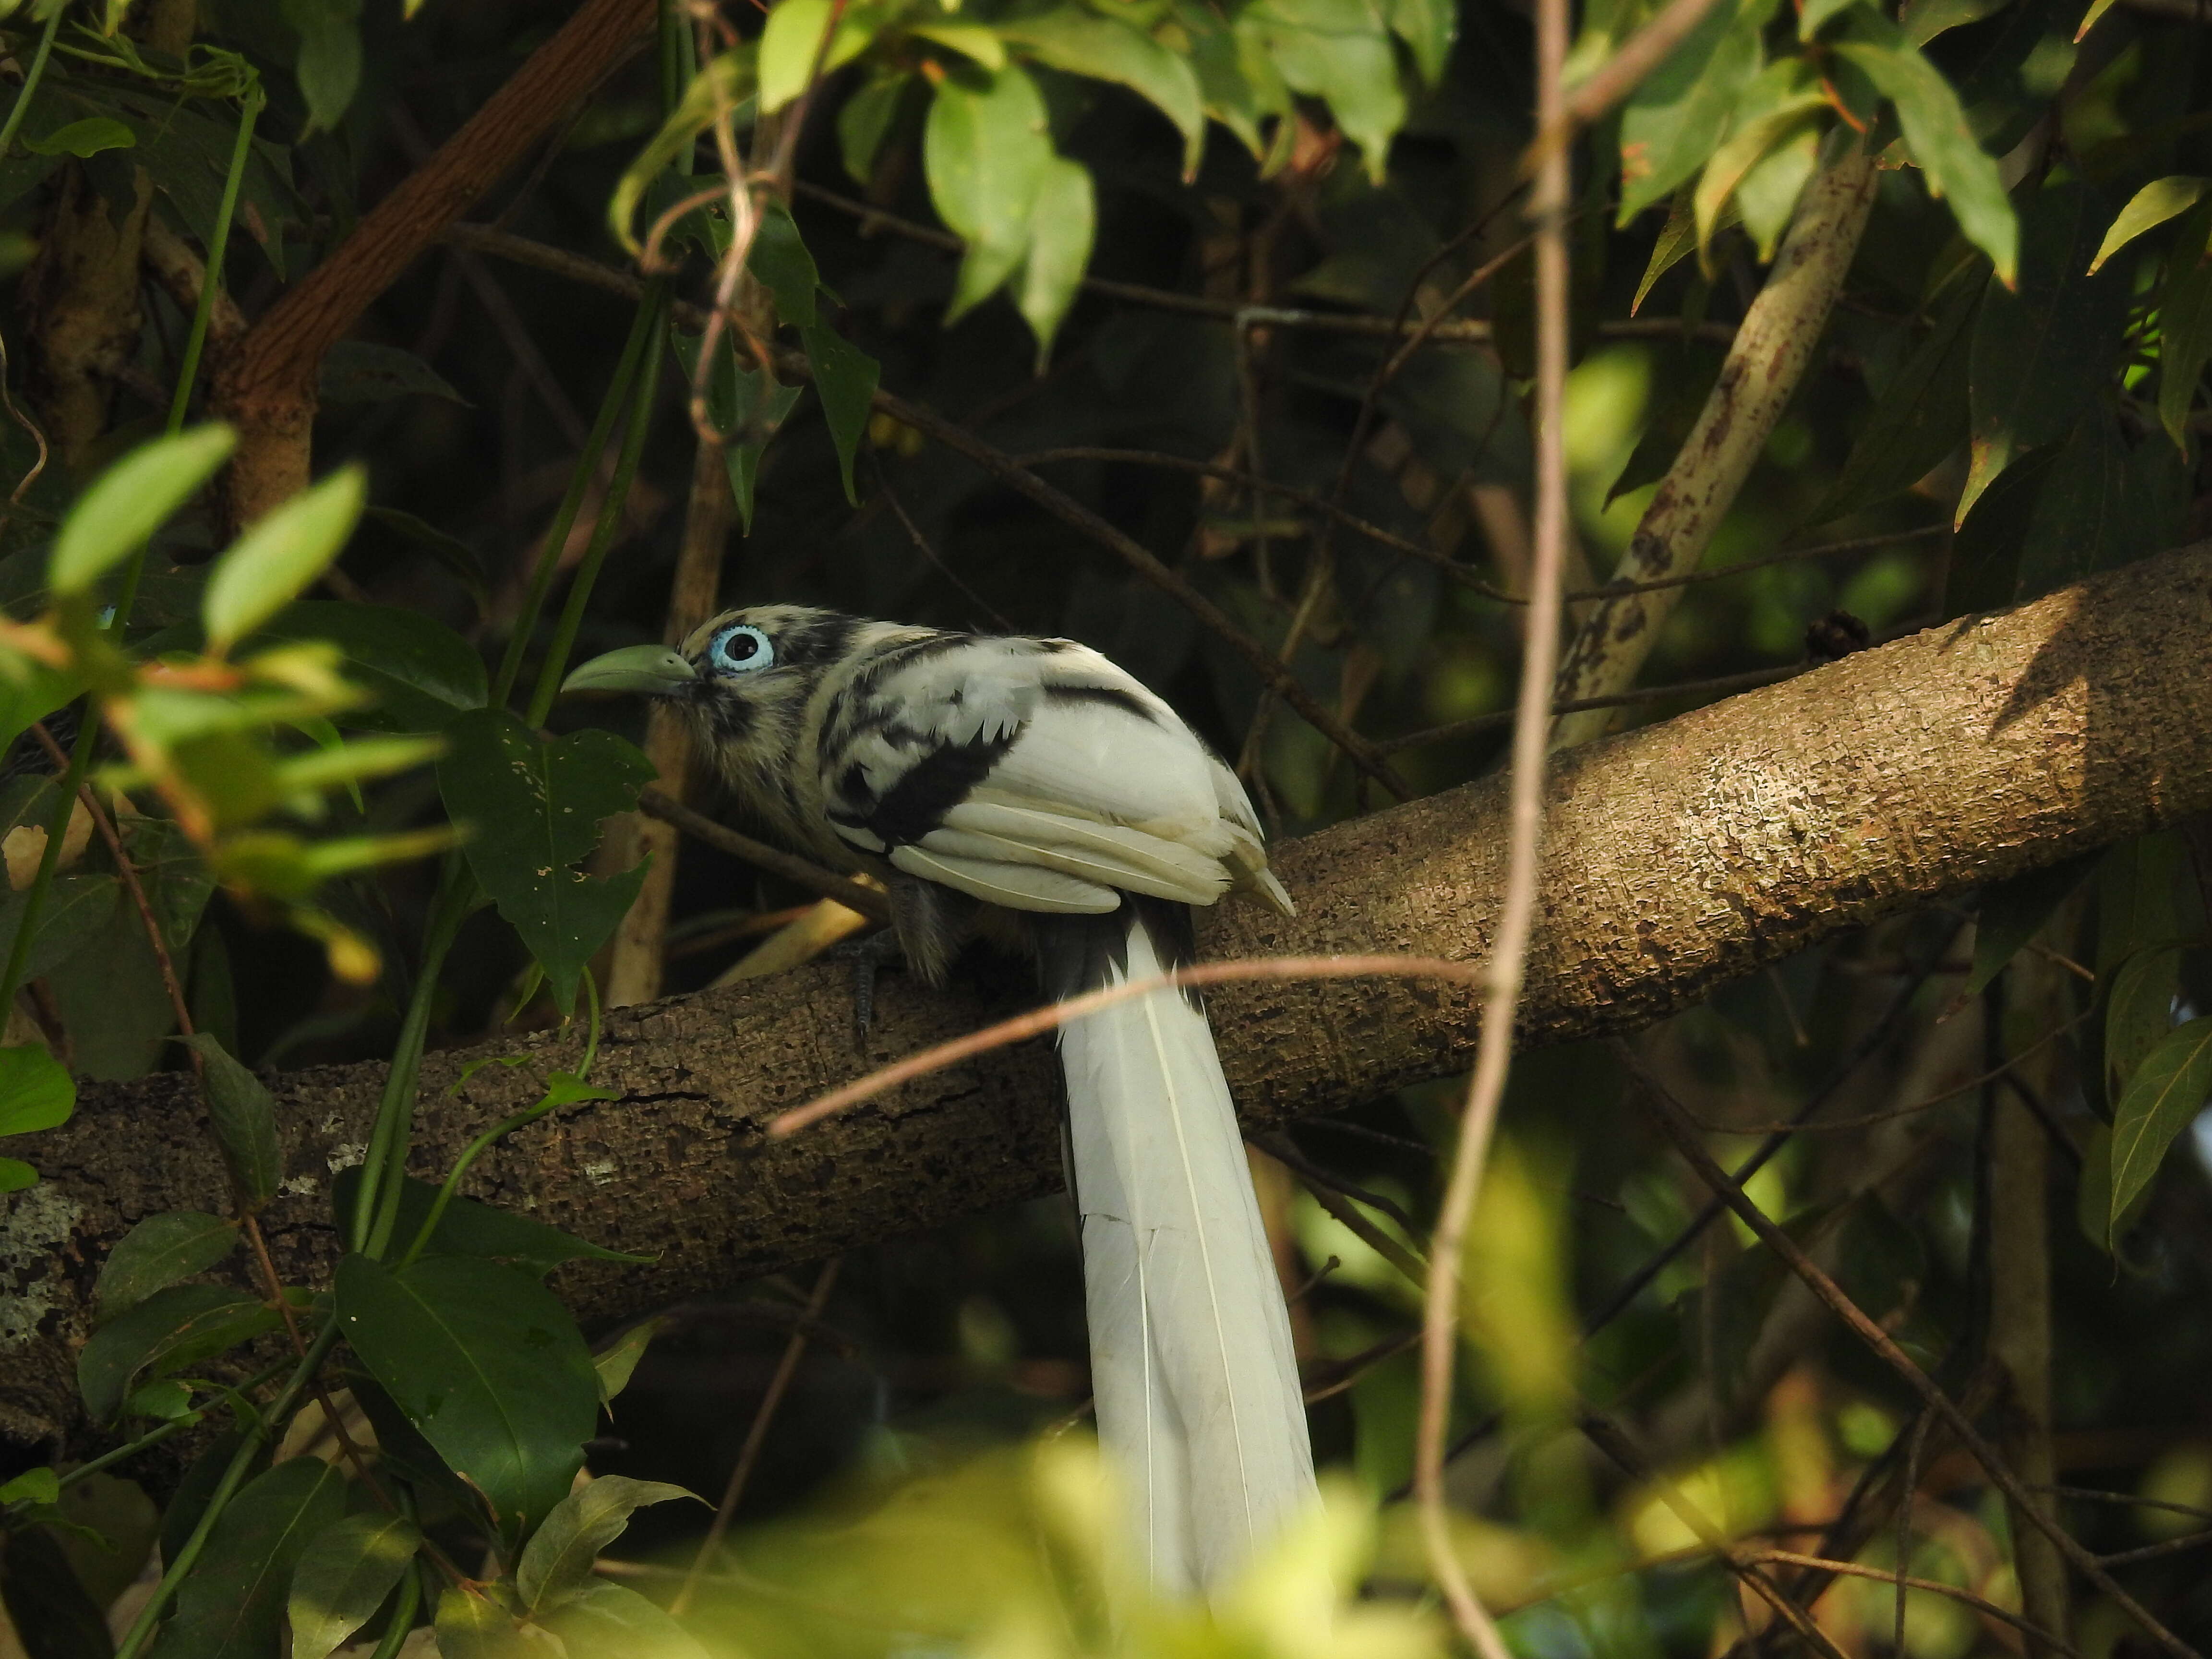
x=2195 y=1541
x=1932 y=1586
x=773 y=859
x=1285 y=1150
x=1615 y=78
x=1667 y=1113
x=1509 y=959
x=756 y=1436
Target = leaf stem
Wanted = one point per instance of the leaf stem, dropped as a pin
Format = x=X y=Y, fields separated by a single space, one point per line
x=251 y=103
x=36 y=73
x=641 y=329
x=644 y=390
x=376 y=1207
x=507 y=1126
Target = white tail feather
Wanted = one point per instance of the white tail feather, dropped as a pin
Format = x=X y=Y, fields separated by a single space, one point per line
x=1198 y=1404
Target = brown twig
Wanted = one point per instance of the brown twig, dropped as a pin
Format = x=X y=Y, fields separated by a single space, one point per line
x=1331 y=1199
x=1932 y=1586
x=1053 y=1016
x=756 y=1436
x=1509 y=958
x=1615 y=78
x=1666 y=1114
x=773 y=859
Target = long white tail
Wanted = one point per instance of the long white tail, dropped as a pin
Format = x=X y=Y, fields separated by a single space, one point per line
x=1199 y=1408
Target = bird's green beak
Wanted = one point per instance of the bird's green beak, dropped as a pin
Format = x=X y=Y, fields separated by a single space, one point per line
x=654 y=670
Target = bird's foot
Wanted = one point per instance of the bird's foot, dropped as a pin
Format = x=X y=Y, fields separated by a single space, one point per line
x=870 y=955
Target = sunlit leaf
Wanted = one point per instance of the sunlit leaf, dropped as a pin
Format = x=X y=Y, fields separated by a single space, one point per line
x=83 y=139
x=1677 y=116
x=1942 y=142
x=328 y=68
x=131 y=500
x=1067 y=219
x=157 y=1253
x=2148 y=208
x=864 y=119
x=2140 y=1011
x=609 y=1619
x=557 y=1561
x=343 y=1576
x=1336 y=51
x=985 y=149
x=35 y=1091
x=277 y=558
x=488 y=1366
x=792 y=41
x=724 y=82
x=616 y=1365
x=473 y=1625
x=1082 y=42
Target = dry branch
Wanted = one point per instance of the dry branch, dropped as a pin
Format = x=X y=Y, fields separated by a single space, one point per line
x=1677 y=857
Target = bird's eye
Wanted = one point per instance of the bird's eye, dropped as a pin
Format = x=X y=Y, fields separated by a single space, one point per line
x=740 y=650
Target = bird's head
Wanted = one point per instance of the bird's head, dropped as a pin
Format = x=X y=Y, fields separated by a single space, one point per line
x=745 y=677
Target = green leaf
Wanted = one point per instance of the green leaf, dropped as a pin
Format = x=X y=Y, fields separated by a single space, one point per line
x=845 y=378
x=451 y=555
x=1060 y=247
x=2102 y=504
x=1677 y=116
x=243 y=1116
x=865 y=119
x=32 y=1486
x=1238 y=80
x=232 y=1603
x=84 y=138
x=1776 y=118
x=1923 y=19
x=127 y=503
x=1428 y=28
x=2014 y=912
x=343 y=1576
x=474 y=1626
x=79 y=912
x=2091 y=18
x=1684 y=371
x=2042 y=350
x=2185 y=324
x=328 y=68
x=35 y=1091
x=164 y=1402
x=1918 y=420
x=489 y=1367
x=984 y=150
x=1677 y=240
x=1081 y=42
x=166 y=1332
x=779 y=259
x=157 y=1253
x=2148 y=208
x=16 y=1175
x=724 y=81
x=557 y=1561
x=1335 y=51
x=605 y=1621
x=2137 y=904
x=793 y=39
x=420 y=672
x=30 y=691
x=2140 y=1011
x=364 y=372
x=532 y=809
x=616 y=1365
x=268 y=566
x=1816 y=15
x=2168 y=1090
x=971 y=41
x=1957 y=167
x=45 y=1599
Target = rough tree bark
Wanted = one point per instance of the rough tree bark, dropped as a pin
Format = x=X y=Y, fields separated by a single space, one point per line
x=1677 y=857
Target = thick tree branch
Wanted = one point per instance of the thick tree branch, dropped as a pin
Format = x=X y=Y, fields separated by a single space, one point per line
x=268 y=383
x=1677 y=857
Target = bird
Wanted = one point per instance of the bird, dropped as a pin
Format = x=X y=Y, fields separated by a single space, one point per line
x=1028 y=790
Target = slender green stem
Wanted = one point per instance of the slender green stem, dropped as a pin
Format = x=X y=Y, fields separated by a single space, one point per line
x=376 y=1206
x=507 y=1126
x=130 y=1449
x=402 y=1616
x=643 y=392
x=249 y=111
x=36 y=73
x=549 y=557
x=234 y=1477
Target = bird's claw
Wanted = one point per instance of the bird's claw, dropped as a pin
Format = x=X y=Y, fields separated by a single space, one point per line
x=870 y=955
